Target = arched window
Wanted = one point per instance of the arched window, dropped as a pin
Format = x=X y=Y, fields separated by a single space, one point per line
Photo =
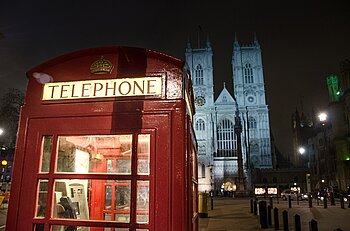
x=226 y=139
x=199 y=75
x=200 y=125
x=252 y=122
x=248 y=73
x=203 y=171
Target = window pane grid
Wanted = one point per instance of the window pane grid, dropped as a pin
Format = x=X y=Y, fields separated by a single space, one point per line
x=85 y=158
x=226 y=139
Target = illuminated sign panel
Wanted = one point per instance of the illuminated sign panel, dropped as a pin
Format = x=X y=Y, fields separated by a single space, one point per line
x=259 y=191
x=271 y=190
x=144 y=86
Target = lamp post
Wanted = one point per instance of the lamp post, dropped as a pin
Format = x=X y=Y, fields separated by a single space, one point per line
x=302 y=151
x=328 y=168
x=241 y=189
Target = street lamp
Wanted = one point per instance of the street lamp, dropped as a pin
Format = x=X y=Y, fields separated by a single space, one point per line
x=301 y=150
x=322 y=117
x=1 y=131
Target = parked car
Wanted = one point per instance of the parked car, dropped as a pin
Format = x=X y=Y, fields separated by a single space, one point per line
x=293 y=194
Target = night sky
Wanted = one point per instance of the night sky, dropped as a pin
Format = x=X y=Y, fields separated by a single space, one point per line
x=302 y=41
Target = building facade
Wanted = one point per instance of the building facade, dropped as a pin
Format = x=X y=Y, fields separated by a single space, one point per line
x=215 y=117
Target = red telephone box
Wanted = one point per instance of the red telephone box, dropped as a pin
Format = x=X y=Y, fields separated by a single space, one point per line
x=105 y=142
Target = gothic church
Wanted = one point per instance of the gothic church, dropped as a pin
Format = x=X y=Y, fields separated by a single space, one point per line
x=214 y=119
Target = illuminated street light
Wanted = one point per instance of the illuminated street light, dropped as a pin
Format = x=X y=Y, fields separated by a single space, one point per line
x=1 y=131
x=322 y=117
x=301 y=150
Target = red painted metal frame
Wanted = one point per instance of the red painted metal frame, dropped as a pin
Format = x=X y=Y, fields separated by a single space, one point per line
x=166 y=119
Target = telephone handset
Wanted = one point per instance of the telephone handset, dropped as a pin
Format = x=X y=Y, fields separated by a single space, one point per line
x=69 y=208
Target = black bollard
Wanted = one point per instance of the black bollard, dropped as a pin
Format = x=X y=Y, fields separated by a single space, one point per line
x=289 y=201
x=285 y=220
x=255 y=207
x=325 y=202
x=310 y=200
x=211 y=203
x=297 y=222
x=332 y=199
x=263 y=215
x=349 y=201
x=269 y=216
x=342 y=205
x=276 y=219
x=271 y=202
x=313 y=225
x=251 y=206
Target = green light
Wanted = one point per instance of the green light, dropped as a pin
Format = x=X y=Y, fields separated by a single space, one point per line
x=347 y=158
x=338 y=93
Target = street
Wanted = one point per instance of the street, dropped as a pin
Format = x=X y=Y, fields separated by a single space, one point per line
x=234 y=214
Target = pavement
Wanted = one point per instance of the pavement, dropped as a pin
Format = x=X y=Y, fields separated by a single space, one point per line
x=234 y=214
x=3 y=215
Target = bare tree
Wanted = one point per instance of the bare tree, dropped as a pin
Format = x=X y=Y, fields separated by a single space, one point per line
x=10 y=106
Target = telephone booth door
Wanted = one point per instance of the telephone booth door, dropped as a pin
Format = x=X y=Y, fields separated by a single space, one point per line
x=90 y=176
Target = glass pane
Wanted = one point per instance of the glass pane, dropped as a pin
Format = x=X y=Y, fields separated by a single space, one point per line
x=95 y=154
x=107 y=217
x=70 y=199
x=108 y=197
x=46 y=154
x=194 y=198
x=124 y=166
x=81 y=199
x=122 y=201
x=64 y=228
x=143 y=154
x=142 y=206
x=79 y=228
x=42 y=198
x=194 y=165
x=110 y=166
x=38 y=227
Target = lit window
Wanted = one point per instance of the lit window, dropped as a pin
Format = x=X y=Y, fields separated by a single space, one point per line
x=200 y=125
x=226 y=139
x=248 y=74
x=251 y=122
x=199 y=75
x=203 y=171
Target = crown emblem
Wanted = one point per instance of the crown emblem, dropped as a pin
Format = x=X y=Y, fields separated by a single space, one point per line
x=101 y=66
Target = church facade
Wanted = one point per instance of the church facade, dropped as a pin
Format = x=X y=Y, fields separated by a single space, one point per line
x=214 y=120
